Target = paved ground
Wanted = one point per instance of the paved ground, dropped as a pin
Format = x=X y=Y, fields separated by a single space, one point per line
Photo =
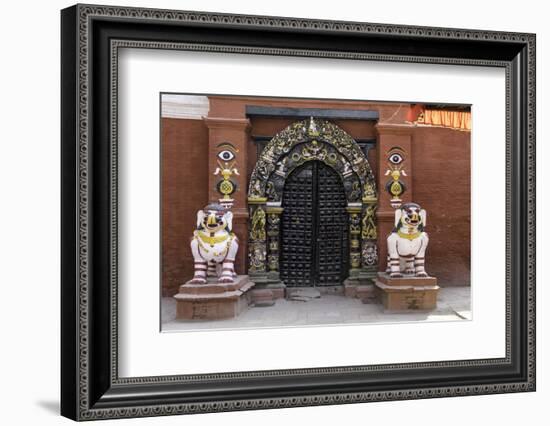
x=453 y=304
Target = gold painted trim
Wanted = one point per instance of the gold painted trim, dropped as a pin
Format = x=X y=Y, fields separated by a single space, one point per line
x=257 y=200
x=409 y=237
x=212 y=240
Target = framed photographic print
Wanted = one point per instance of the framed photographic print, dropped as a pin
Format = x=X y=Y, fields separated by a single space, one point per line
x=264 y=212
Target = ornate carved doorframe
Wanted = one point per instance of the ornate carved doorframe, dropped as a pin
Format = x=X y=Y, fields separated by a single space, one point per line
x=302 y=141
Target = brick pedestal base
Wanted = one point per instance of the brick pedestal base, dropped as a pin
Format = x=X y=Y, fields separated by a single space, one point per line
x=407 y=293
x=213 y=300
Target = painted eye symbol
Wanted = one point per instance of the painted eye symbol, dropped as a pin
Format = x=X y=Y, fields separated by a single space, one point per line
x=396 y=158
x=226 y=155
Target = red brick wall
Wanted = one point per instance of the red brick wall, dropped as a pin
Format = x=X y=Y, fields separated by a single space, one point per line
x=184 y=173
x=441 y=180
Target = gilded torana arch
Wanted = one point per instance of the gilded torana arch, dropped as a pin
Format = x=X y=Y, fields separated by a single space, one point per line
x=300 y=142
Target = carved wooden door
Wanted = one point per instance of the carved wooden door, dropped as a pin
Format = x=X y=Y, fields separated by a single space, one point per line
x=314 y=228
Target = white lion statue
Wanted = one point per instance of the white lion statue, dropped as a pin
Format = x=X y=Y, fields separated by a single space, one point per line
x=408 y=242
x=214 y=246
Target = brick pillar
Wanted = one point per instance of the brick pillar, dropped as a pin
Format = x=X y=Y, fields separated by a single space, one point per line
x=391 y=136
x=235 y=132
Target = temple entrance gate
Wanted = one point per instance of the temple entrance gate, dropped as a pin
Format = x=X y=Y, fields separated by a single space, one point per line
x=317 y=153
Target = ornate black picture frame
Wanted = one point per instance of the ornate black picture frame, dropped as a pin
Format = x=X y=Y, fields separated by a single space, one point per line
x=91 y=37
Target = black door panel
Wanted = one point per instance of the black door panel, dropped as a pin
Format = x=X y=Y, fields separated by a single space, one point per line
x=314 y=228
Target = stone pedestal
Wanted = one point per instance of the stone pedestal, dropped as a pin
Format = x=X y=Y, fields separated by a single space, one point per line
x=267 y=289
x=407 y=293
x=213 y=300
x=263 y=297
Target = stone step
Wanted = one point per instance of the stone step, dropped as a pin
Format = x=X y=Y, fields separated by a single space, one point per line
x=303 y=294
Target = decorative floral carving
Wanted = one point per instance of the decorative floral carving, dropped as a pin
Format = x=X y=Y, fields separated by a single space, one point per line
x=313 y=150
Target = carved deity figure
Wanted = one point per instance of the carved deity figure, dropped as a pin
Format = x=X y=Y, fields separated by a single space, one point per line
x=408 y=242
x=370 y=253
x=257 y=231
x=214 y=246
x=369 y=223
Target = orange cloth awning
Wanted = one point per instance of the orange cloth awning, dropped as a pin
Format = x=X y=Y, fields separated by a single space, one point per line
x=440 y=117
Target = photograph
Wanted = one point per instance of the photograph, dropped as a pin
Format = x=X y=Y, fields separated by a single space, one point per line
x=261 y=211
x=294 y=212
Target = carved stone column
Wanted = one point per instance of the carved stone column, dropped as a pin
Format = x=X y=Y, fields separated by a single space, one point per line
x=263 y=249
x=274 y=211
x=257 y=239
x=369 y=234
x=354 y=210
